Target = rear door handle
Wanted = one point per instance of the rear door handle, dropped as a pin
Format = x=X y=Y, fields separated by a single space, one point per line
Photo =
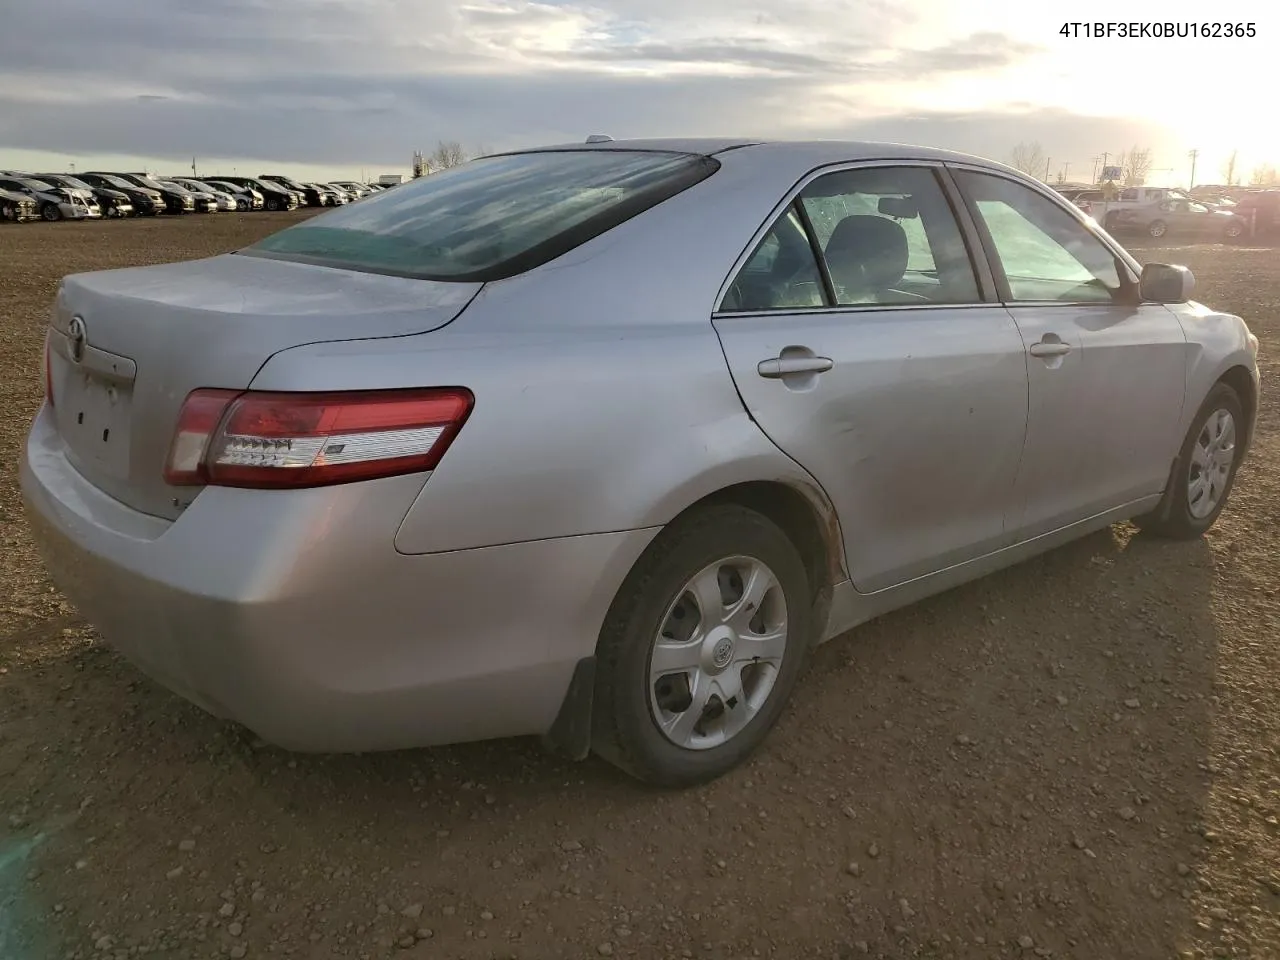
x=780 y=367
x=1050 y=349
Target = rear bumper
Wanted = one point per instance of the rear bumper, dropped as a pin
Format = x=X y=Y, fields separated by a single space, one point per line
x=291 y=611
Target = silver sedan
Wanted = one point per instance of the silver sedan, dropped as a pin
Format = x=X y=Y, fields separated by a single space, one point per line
x=595 y=442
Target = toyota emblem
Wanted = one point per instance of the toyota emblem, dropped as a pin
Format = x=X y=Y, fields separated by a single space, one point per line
x=79 y=338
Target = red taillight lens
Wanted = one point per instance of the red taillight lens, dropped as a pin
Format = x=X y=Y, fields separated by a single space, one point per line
x=231 y=439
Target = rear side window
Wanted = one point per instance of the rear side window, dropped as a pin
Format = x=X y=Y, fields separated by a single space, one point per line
x=887 y=237
x=490 y=218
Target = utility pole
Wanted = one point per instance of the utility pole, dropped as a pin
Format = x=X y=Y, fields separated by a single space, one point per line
x=1095 y=169
x=1066 y=169
x=1046 y=169
x=193 y=167
x=1193 y=154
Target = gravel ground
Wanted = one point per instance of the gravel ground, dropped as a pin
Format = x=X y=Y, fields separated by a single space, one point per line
x=1073 y=758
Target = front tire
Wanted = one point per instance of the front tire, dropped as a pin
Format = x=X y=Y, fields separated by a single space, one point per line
x=1234 y=230
x=1157 y=228
x=1205 y=470
x=51 y=212
x=701 y=648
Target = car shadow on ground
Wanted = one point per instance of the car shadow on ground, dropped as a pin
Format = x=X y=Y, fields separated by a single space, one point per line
x=1022 y=757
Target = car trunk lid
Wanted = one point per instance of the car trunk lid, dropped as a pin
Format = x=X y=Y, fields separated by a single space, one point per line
x=127 y=346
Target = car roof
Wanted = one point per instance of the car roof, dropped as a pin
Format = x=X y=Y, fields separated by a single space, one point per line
x=815 y=151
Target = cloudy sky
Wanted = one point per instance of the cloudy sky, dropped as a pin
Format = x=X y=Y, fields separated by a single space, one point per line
x=331 y=88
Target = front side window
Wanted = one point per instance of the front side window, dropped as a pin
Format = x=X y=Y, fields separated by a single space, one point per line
x=490 y=218
x=1046 y=253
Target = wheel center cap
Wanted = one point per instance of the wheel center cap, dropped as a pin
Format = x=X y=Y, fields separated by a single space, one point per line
x=720 y=647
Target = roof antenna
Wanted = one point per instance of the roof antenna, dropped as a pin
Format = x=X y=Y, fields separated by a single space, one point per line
x=599 y=138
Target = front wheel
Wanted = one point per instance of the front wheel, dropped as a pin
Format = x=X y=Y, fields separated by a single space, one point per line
x=1157 y=228
x=1234 y=230
x=1205 y=469
x=51 y=212
x=701 y=648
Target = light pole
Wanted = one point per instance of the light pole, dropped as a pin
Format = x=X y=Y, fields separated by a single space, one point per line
x=1193 y=154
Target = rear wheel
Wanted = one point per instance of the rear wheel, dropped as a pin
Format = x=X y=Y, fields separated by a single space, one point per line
x=701 y=648
x=1205 y=469
x=51 y=212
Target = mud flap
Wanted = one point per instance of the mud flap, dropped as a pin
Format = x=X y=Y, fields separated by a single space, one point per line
x=570 y=734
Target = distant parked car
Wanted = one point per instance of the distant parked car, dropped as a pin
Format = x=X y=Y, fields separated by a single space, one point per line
x=206 y=202
x=18 y=207
x=246 y=198
x=55 y=203
x=311 y=195
x=222 y=201
x=145 y=200
x=112 y=203
x=357 y=190
x=330 y=195
x=1178 y=217
x=275 y=196
x=176 y=199
x=1262 y=209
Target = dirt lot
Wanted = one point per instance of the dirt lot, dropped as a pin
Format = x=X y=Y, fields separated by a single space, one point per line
x=1075 y=758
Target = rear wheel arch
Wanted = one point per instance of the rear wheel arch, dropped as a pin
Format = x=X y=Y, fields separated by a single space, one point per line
x=806 y=518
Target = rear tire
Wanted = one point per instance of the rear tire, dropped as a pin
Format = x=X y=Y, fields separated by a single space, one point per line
x=1203 y=474
x=697 y=721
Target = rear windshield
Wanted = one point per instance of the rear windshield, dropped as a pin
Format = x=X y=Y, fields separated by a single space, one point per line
x=490 y=218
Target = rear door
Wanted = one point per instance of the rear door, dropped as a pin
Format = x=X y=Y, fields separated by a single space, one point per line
x=864 y=338
x=1107 y=373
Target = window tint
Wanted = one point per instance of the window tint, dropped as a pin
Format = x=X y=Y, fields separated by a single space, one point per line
x=889 y=237
x=1046 y=253
x=781 y=272
x=492 y=217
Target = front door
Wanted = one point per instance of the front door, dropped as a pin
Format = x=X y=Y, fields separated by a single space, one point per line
x=859 y=342
x=1107 y=373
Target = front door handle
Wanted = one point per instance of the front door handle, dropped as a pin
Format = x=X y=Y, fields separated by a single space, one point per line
x=780 y=367
x=1050 y=348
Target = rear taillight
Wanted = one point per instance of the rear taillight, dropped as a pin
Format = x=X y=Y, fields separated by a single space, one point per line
x=233 y=439
x=48 y=369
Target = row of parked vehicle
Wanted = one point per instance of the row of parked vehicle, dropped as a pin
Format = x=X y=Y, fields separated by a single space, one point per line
x=1163 y=211
x=91 y=196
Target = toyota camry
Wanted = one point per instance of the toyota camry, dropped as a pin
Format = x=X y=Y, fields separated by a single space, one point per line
x=595 y=442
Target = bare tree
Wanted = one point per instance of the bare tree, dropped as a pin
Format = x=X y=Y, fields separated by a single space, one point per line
x=445 y=155
x=1028 y=158
x=1229 y=171
x=1136 y=164
x=1265 y=175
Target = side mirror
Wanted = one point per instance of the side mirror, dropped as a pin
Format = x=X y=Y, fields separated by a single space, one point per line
x=1166 y=283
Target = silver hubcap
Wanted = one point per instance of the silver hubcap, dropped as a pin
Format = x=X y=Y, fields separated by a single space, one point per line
x=717 y=655
x=1211 y=461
